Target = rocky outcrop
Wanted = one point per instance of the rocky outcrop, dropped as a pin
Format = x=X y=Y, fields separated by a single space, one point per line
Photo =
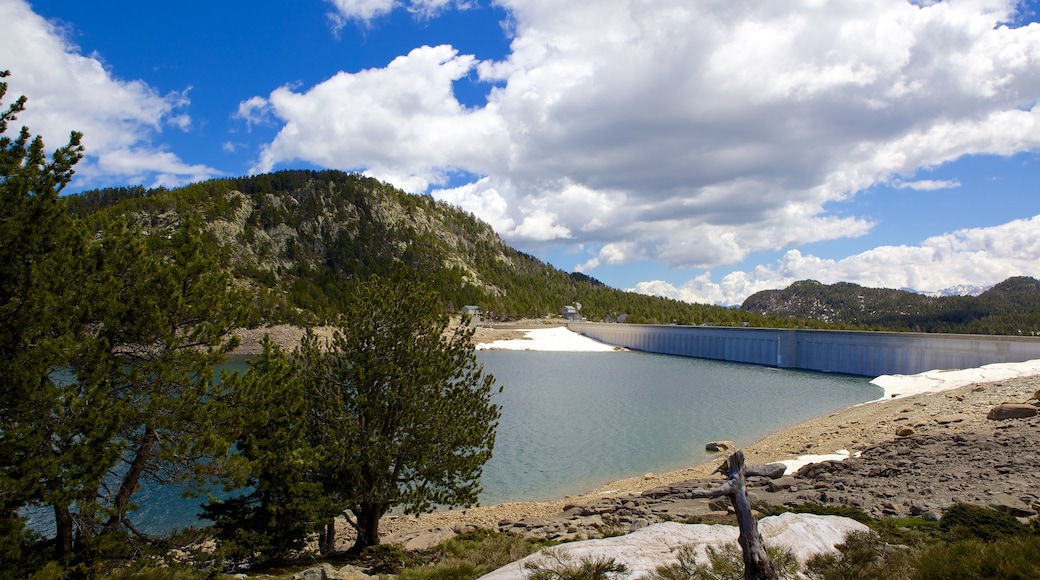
x=327 y=571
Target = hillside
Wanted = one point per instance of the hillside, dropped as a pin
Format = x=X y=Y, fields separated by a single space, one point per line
x=1011 y=307
x=298 y=239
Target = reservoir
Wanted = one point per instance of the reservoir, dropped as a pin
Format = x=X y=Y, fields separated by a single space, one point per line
x=574 y=420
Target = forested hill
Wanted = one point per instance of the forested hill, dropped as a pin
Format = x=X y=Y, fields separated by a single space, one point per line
x=1011 y=307
x=298 y=239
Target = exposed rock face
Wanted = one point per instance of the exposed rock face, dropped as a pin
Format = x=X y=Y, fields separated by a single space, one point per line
x=644 y=550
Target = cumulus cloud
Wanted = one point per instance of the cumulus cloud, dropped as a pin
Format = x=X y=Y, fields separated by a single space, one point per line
x=977 y=256
x=70 y=91
x=401 y=123
x=691 y=133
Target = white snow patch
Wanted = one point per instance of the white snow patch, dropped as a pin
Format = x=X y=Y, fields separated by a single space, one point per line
x=801 y=461
x=558 y=339
x=900 y=386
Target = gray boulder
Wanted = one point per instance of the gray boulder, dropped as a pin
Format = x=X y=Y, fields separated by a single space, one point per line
x=327 y=571
x=770 y=470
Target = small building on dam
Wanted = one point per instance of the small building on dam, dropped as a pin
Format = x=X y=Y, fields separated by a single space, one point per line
x=848 y=352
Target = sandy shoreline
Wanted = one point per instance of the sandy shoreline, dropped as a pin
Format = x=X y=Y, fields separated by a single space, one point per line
x=934 y=402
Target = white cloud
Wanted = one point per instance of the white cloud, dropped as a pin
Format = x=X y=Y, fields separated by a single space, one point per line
x=534 y=222
x=691 y=133
x=928 y=184
x=365 y=11
x=978 y=256
x=401 y=123
x=254 y=111
x=69 y=91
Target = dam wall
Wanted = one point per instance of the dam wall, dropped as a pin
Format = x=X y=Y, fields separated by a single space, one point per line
x=848 y=352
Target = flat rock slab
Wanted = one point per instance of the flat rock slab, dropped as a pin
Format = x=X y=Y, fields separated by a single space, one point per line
x=644 y=550
x=1011 y=411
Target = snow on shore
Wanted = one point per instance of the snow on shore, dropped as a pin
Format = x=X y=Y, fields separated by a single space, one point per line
x=557 y=339
x=899 y=386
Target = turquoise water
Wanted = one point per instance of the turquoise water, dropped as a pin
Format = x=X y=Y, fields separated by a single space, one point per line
x=575 y=420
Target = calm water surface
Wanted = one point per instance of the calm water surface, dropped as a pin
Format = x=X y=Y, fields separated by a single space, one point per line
x=572 y=421
x=575 y=420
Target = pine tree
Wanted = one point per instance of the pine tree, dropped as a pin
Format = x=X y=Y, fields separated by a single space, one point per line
x=413 y=398
x=394 y=411
x=284 y=444
x=165 y=315
x=44 y=436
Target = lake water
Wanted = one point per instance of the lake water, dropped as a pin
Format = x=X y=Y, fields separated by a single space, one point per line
x=574 y=420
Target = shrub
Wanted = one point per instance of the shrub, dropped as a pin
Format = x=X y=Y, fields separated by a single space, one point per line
x=725 y=563
x=970 y=559
x=963 y=521
x=558 y=565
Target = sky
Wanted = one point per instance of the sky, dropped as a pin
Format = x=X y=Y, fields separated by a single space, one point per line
x=697 y=149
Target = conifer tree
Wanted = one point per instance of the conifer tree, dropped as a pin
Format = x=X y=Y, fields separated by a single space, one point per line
x=394 y=411
x=165 y=317
x=108 y=344
x=412 y=404
x=47 y=442
x=285 y=444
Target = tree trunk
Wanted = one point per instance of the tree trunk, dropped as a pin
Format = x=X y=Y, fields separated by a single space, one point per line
x=757 y=565
x=64 y=525
x=128 y=485
x=327 y=539
x=368 y=517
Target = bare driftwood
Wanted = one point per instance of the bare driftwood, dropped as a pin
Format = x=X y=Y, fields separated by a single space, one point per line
x=757 y=565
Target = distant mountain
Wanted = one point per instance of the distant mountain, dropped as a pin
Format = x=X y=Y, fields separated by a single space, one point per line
x=959 y=290
x=299 y=239
x=1011 y=307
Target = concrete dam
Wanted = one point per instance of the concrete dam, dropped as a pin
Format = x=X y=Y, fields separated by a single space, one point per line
x=849 y=352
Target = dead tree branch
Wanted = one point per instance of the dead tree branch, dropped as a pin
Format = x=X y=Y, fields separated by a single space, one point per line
x=757 y=565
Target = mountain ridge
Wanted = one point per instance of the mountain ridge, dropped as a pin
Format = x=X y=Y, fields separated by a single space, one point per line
x=1009 y=307
x=298 y=240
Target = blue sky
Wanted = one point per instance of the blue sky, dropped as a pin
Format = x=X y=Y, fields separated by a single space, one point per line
x=700 y=150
